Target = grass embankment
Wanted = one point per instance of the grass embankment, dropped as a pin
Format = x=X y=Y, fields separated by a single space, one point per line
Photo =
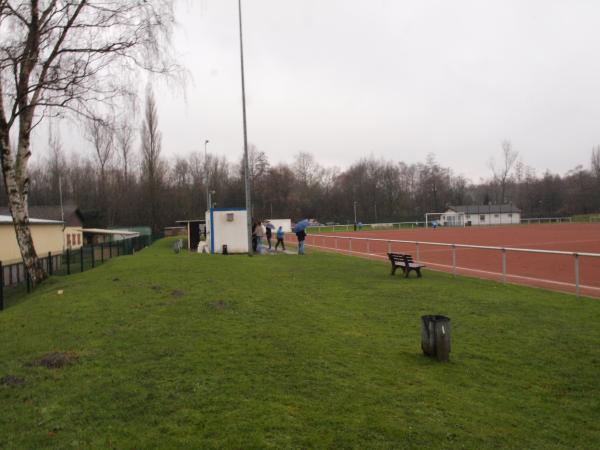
x=194 y=351
x=586 y=218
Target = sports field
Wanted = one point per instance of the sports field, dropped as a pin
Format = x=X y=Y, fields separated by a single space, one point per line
x=552 y=271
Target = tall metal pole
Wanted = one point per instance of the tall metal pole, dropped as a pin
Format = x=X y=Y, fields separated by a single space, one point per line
x=246 y=167
x=354 y=213
x=206 y=175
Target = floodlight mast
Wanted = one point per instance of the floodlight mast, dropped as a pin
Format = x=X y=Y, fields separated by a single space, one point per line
x=246 y=166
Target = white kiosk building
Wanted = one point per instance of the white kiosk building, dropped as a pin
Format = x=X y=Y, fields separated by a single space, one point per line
x=476 y=215
x=227 y=226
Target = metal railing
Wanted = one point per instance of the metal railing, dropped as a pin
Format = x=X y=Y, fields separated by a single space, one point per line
x=423 y=224
x=332 y=242
x=528 y=221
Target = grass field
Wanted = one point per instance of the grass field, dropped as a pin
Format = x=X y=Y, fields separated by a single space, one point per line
x=197 y=351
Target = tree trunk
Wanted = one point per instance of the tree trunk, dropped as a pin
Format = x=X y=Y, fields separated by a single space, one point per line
x=17 y=202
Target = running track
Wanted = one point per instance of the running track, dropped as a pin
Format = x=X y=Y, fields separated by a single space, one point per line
x=556 y=272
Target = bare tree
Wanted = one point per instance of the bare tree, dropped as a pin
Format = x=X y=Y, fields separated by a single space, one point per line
x=60 y=56
x=596 y=162
x=503 y=172
x=124 y=135
x=100 y=135
x=151 y=139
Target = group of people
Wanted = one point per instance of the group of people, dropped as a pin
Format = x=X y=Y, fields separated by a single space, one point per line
x=260 y=232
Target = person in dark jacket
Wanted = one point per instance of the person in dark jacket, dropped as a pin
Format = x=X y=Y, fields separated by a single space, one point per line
x=301 y=235
x=280 y=239
x=254 y=237
x=269 y=234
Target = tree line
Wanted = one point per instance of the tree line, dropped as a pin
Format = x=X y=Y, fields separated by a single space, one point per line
x=125 y=179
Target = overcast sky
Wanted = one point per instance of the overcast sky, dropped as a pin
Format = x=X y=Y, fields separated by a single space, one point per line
x=395 y=79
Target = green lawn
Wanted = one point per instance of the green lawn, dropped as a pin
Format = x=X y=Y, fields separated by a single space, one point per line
x=197 y=351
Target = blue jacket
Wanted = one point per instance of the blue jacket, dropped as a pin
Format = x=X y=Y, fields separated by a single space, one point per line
x=280 y=233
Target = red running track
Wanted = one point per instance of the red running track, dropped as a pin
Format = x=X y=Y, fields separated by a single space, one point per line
x=549 y=271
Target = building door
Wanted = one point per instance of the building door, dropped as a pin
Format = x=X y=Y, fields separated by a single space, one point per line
x=194 y=235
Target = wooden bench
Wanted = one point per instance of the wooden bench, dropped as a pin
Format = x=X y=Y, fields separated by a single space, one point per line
x=405 y=262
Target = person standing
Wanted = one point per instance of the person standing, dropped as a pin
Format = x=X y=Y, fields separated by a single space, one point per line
x=280 y=239
x=301 y=235
x=260 y=233
x=269 y=234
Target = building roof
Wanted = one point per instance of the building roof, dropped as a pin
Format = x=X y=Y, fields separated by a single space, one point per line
x=72 y=215
x=7 y=220
x=191 y=220
x=110 y=232
x=485 y=209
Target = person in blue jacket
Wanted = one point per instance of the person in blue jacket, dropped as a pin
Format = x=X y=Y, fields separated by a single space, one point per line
x=280 y=239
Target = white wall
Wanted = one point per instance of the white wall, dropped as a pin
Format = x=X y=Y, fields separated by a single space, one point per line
x=285 y=223
x=233 y=234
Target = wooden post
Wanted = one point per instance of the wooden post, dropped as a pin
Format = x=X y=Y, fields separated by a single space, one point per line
x=93 y=258
x=576 y=273
x=504 y=265
x=68 y=261
x=50 y=268
x=102 y=252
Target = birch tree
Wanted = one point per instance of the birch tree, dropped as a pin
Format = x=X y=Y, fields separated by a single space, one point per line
x=68 y=56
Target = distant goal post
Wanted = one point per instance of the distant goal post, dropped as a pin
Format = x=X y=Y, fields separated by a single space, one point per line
x=445 y=219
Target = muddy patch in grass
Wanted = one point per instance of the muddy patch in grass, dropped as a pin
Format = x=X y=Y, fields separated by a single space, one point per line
x=177 y=293
x=56 y=360
x=12 y=381
x=219 y=305
x=156 y=287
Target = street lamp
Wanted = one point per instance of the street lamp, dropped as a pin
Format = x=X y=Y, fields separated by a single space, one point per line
x=246 y=167
x=206 y=174
x=355 y=216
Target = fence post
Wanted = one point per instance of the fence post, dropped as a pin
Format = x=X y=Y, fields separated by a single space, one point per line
x=93 y=259
x=110 y=250
x=350 y=245
x=418 y=254
x=504 y=265
x=68 y=261
x=453 y=260
x=1 y=287
x=81 y=258
x=102 y=252
x=50 y=268
x=576 y=273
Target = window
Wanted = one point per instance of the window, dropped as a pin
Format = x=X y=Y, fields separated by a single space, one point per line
x=482 y=218
x=68 y=240
x=509 y=214
x=468 y=216
x=496 y=215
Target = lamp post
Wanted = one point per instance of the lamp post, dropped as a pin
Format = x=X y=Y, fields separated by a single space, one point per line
x=354 y=215
x=206 y=174
x=246 y=167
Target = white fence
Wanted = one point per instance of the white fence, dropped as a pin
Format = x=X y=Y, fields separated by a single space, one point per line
x=422 y=224
x=378 y=248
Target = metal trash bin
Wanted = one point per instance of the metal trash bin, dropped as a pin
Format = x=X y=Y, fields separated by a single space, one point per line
x=436 y=337
x=224 y=251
